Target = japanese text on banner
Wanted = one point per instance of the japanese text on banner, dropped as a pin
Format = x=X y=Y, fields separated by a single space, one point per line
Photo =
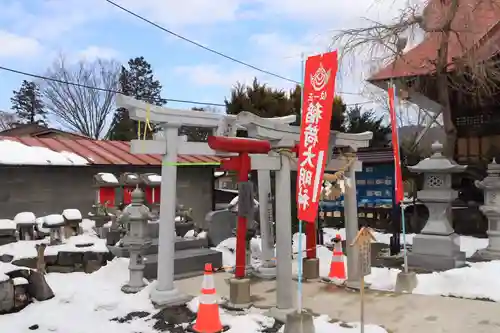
x=319 y=86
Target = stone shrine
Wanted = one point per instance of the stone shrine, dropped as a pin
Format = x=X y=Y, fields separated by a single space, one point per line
x=437 y=247
x=491 y=209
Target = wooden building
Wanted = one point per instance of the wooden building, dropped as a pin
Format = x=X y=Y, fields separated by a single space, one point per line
x=476 y=29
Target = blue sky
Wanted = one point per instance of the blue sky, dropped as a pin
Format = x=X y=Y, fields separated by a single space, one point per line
x=270 y=34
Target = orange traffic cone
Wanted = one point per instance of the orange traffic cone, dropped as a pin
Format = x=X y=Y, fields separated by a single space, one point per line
x=337 y=266
x=207 y=318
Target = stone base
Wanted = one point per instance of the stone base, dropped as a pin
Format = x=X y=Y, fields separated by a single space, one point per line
x=310 y=268
x=239 y=293
x=128 y=289
x=485 y=255
x=356 y=285
x=406 y=282
x=436 y=252
x=167 y=298
x=280 y=314
x=299 y=323
x=266 y=273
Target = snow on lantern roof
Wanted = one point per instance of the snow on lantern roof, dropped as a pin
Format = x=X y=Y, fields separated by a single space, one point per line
x=16 y=153
x=107 y=177
x=54 y=220
x=72 y=214
x=25 y=218
x=437 y=162
x=154 y=178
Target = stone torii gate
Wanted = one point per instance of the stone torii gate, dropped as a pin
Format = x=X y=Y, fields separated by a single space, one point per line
x=169 y=144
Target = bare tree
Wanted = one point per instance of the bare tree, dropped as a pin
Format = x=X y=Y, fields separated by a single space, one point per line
x=84 y=106
x=8 y=120
x=453 y=63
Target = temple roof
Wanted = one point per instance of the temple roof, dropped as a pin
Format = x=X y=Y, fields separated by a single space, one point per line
x=475 y=29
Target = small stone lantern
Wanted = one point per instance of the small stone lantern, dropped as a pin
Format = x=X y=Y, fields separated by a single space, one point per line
x=55 y=223
x=491 y=209
x=438 y=246
x=136 y=217
x=7 y=231
x=25 y=222
x=73 y=218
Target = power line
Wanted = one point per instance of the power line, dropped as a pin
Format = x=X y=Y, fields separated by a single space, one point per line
x=142 y=18
x=47 y=78
x=200 y=45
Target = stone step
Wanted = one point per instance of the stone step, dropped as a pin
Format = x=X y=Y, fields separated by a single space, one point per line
x=180 y=244
x=189 y=262
x=180 y=227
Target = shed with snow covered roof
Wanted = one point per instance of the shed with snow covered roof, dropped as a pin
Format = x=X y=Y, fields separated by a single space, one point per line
x=47 y=175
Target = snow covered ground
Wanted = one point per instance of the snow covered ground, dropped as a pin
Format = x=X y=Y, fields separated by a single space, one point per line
x=479 y=280
x=86 y=303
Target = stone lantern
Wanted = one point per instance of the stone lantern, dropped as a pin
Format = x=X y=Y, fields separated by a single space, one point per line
x=491 y=209
x=135 y=217
x=55 y=223
x=25 y=222
x=437 y=247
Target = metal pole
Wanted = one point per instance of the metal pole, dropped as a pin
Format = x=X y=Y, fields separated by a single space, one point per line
x=299 y=257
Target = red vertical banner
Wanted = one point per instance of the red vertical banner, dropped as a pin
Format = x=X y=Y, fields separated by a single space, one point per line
x=395 y=146
x=318 y=93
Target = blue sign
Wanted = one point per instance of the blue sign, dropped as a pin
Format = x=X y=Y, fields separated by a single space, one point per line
x=374 y=189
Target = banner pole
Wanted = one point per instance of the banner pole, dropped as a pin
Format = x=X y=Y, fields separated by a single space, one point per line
x=399 y=175
x=300 y=253
x=401 y=204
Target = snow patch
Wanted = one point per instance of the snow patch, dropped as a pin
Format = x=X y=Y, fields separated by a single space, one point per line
x=19 y=281
x=154 y=178
x=6 y=224
x=12 y=152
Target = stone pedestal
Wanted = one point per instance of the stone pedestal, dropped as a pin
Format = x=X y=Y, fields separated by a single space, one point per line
x=406 y=282
x=437 y=247
x=491 y=209
x=299 y=323
x=311 y=268
x=436 y=252
x=239 y=294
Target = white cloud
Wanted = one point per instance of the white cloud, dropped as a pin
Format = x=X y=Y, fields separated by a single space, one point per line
x=332 y=14
x=174 y=13
x=98 y=52
x=213 y=75
x=12 y=45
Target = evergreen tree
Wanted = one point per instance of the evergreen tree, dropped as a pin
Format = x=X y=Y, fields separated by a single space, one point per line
x=196 y=134
x=136 y=81
x=358 y=122
x=259 y=99
x=28 y=105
